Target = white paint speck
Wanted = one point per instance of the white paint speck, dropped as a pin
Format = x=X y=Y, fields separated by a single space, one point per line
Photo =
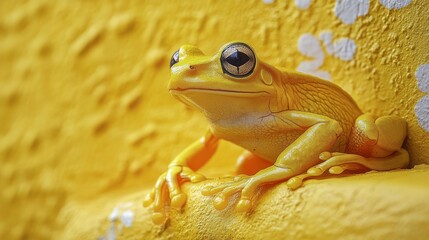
x=422 y=112
x=111 y=233
x=422 y=75
x=303 y=4
x=349 y=10
x=345 y=49
x=268 y=1
x=422 y=107
x=127 y=218
x=326 y=38
x=114 y=214
x=395 y=4
x=310 y=46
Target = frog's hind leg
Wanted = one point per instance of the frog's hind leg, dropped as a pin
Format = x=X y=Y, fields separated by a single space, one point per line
x=377 y=137
x=337 y=163
x=373 y=145
x=249 y=164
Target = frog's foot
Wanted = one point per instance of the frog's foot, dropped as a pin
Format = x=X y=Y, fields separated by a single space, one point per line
x=337 y=163
x=225 y=191
x=167 y=189
x=398 y=159
x=246 y=185
x=332 y=166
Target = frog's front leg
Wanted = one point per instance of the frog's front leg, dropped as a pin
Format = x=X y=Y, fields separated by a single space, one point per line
x=183 y=167
x=320 y=134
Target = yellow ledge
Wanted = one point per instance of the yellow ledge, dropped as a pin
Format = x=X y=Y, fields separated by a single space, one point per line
x=375 y=205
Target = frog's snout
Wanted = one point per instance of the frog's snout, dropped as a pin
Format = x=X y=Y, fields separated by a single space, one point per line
x=189 y=51
x=192 y=58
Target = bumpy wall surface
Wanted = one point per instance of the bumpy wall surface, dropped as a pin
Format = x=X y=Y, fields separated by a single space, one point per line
x=85 y=116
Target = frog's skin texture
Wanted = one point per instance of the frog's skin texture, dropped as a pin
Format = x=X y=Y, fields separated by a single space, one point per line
x=291 y=125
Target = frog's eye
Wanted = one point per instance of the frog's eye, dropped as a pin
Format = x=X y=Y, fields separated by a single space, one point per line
x=238 y=60
x=174 y=58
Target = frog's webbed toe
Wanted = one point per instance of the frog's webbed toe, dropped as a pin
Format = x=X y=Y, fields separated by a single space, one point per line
x=168 y=190
x=159 y=215
x=336 y=163
x=224 y=192
x=247 y=186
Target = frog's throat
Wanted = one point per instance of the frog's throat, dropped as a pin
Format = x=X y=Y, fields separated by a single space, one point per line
x=221 y=105
x=179 y=91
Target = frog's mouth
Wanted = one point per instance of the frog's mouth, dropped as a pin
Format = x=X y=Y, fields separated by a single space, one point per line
x=219 y=92
x=218 y=104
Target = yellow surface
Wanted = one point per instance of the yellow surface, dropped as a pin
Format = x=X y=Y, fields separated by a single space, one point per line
x=85 y=117
x=390 y=205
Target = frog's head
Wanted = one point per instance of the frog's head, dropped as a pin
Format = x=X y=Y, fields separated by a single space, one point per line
x=230 y=84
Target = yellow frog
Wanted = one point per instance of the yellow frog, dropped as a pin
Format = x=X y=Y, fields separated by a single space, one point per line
x=291 y=125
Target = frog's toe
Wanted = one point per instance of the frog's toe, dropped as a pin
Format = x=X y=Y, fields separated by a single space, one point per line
x=226 y=187
x=178 y=200
x=336 y=164
x=243 y=205
x=149 y=199
x=315 y=171
x=159 y=218
x=249 y=191
x=336 y=170
x=327 y=155
x=192 y=176
x=236 y=178
x=220 y=203
x=294 y=182
x=241 y=177
x=207 y=190
x=210 y=190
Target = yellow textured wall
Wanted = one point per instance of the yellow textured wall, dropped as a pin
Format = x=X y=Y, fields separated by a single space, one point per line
x=84 y=110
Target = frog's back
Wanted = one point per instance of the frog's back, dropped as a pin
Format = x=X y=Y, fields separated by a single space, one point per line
x=306 y=93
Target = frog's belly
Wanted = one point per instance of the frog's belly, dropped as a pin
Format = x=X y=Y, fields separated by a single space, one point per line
x=267 y=145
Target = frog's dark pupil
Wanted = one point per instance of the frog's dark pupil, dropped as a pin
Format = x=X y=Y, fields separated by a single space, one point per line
x=237 y=59
x=174 y=58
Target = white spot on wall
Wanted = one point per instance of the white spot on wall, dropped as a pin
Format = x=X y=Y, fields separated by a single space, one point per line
x=395 y=4
x=422 y=112
x=127 y=218
x=349 y=10
x=422 y=75
x=268 y=1
x=310 y=46
x=344 y=49
x=326 y=38
x=303 y=4
x=114 y=214
x=111 y=233
x=422 y=107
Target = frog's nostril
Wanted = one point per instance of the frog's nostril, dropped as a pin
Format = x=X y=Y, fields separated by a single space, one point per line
x=192 y=67
x=189 y=50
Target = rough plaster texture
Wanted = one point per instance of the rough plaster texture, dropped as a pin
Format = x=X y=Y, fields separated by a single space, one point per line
x=85 y=117
x=389 y=205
